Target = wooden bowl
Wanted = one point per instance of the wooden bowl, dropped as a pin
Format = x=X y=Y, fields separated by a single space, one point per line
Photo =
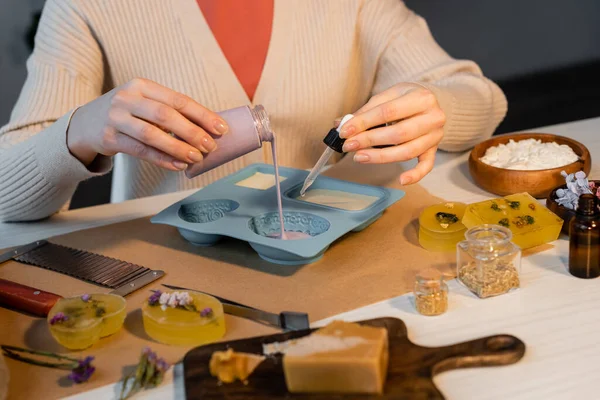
x=562 y=211
x=538 y=183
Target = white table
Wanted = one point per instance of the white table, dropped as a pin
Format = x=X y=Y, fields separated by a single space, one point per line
x=556 y=315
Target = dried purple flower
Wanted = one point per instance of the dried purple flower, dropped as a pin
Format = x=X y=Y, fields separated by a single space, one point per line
x=58 y=318
x=152 y=357
x=154 y=297
x=86 y=297
x=149 y=373
x=207 y=312
x=83 y=371
x=162 y=365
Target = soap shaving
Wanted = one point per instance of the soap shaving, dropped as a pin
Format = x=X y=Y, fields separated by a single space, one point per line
x=312 y=344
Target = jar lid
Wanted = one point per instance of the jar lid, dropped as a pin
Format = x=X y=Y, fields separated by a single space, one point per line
x=431 y=277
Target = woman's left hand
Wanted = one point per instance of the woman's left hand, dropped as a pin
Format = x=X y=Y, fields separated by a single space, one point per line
x=416 y=135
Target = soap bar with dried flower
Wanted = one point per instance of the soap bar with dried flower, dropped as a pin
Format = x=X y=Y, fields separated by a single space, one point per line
x=531 y=223
x=440 y=227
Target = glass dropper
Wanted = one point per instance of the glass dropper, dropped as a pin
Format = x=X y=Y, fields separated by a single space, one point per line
x=334 y=144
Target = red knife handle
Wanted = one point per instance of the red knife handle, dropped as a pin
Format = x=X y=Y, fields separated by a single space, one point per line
x=25 y=298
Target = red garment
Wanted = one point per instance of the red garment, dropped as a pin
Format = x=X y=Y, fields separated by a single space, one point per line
x=243 y=30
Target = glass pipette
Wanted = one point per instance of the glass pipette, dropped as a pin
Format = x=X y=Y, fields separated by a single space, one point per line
x=334 y=144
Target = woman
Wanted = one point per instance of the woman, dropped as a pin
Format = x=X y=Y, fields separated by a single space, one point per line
x=139 y=69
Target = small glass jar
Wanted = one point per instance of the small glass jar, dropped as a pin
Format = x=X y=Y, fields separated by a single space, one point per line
x=431 y=293
x=249 y=128
x=488 y=263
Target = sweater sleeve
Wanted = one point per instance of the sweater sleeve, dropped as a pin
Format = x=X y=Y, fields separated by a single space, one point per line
x=474 y=105
x=38 y=174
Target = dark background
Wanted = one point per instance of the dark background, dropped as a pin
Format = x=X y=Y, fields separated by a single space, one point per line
x=545 y=54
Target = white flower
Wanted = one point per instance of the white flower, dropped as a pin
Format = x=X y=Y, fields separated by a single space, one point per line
x=164 y=298
x=184 y=299
x=173 y=299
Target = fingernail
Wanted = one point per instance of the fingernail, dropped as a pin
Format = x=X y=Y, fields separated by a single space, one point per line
x=209 y=144
x=361 y=158
x=195 y=156
x=221 y=127
x=349 y=146
x=180 y=164
x=347 y=131
x=405 y=180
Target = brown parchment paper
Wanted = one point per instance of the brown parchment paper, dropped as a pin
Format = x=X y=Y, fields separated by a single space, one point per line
x=362 y=268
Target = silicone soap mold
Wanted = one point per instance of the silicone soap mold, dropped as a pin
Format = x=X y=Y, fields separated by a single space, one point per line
x=226 y=209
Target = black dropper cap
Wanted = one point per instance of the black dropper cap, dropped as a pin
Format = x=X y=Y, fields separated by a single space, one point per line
x=334 y=141
x=587 y=205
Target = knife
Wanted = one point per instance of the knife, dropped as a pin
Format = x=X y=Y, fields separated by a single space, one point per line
x=286 y=320
x=26 y=298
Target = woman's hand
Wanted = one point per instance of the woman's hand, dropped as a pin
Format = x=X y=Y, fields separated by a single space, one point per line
x=416 y=135
x=135 y=119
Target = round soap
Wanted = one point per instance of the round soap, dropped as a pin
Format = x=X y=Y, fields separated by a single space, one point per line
x=190 y=326
x=79 y=322
x=440 y=226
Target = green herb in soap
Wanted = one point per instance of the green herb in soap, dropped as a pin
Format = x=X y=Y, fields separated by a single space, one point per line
x=514 y=204
x=446 y=219
x=504 y=222
x=523 y=220
x=495 y=207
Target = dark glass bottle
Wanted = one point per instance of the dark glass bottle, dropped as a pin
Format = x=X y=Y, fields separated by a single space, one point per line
x=584 y=239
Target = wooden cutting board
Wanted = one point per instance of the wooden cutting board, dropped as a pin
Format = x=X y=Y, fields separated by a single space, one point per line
x=410 y=372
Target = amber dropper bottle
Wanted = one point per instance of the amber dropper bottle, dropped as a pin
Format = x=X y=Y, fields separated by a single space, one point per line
x=584 y=239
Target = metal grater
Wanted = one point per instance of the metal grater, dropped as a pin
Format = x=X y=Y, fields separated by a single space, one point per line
x=121 y=276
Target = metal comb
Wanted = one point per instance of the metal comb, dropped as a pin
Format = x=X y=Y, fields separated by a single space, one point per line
x=121 y=276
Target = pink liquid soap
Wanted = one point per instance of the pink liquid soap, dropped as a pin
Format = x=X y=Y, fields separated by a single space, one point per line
x=283 y=235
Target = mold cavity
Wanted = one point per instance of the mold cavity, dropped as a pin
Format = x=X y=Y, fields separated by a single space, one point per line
x=338 y=199
x=206 y=210
x=297 y=225
x=259 y=180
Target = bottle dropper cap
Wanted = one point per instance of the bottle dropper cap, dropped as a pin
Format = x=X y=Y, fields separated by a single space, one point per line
x=333 y=139
x=587 y=205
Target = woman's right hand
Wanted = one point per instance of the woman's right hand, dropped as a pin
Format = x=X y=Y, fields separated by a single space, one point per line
x=134 y=119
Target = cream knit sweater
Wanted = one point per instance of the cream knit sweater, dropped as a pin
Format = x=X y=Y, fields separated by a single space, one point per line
x=326 y=58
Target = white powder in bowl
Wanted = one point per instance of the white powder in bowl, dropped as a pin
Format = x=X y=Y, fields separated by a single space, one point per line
x=529 y=154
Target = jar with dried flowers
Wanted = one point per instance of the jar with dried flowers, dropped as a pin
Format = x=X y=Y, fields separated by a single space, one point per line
x=488 y=263
x=431 y=293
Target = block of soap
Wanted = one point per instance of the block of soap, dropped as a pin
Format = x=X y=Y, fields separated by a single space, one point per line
x=440 y=227
x=342 y=357
x=229 y=366
x=531 y=223
x=338 y=199
x=259 y=180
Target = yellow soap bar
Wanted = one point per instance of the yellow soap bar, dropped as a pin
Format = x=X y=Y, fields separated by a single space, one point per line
x=440 y=227
x=342 y=357
x=183 y=327
x=79 y=322
x=531 y=223
x=230 y=366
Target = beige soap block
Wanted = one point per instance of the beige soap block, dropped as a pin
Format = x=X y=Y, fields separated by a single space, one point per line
x=342 y=357
x=229 y=366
